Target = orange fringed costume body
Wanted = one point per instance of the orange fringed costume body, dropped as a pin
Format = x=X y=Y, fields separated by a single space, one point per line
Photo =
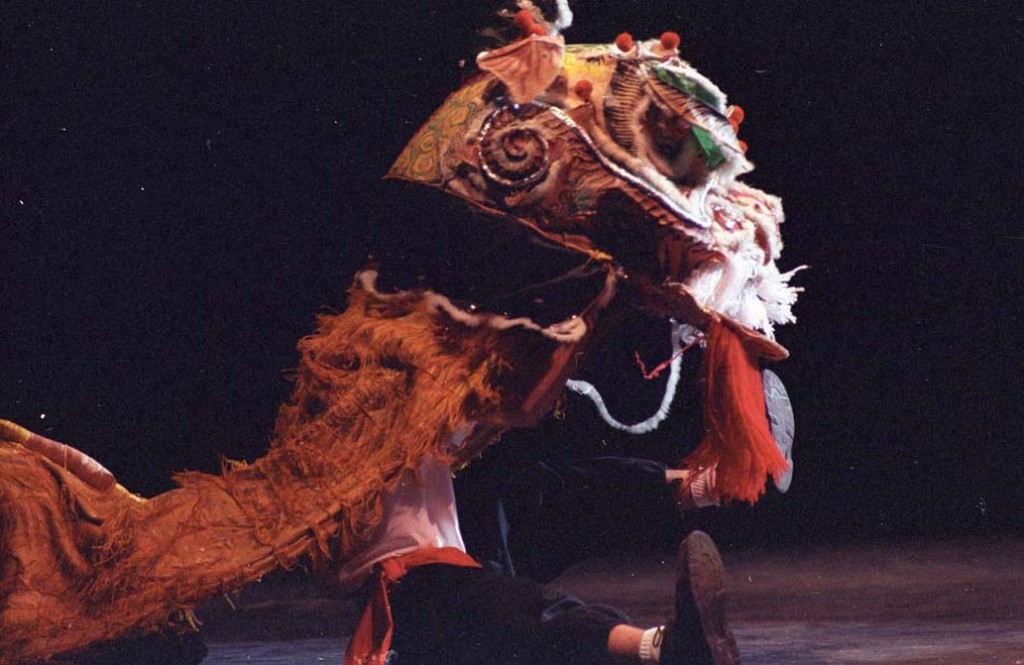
x=380 y=387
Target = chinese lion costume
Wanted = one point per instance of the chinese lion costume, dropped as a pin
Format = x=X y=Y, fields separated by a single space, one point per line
x=621 y=152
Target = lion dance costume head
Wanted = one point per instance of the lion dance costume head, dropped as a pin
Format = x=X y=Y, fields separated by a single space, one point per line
x=621 y=151
x=626 y=153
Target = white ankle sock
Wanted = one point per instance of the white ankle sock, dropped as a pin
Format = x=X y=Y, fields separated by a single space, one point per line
x=650 y=645
x=702 y=489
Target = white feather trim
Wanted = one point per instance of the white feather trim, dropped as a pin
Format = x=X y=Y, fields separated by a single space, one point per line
x=564 y=18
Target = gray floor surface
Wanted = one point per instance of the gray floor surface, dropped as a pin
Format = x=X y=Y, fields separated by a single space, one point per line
x=955 y=603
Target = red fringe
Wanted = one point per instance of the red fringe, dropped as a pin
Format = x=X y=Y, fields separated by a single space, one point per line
x=737 y=436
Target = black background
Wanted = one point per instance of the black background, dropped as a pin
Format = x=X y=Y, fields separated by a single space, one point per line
x=185 y=185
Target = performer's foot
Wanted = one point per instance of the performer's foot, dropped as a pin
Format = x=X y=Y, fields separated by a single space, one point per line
x=698 y=633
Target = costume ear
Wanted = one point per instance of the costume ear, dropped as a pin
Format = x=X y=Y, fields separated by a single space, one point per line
x=526 y=67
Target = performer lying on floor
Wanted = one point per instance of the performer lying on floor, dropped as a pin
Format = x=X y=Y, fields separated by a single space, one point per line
x=445 y=606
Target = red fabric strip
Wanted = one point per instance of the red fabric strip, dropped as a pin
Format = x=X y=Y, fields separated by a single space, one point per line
x=372 y=638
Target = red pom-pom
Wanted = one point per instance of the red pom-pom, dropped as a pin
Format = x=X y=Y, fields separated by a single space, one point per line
x=743 y=146
x=523 y=20
x=737 y=114
x=537 y=29
x=624 y=41
x=583 y=89
x=670 y=40
x=735 y=126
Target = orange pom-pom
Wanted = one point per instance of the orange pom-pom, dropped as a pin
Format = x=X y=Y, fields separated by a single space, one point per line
x=735 y=126
x=743 y=146
x=670 y=40
x=537 y=29
x=524 y=20
x=624 y=41
x=583 y=89
x=737 y=114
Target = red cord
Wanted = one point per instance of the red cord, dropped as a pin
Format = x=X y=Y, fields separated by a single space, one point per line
x=656 y=372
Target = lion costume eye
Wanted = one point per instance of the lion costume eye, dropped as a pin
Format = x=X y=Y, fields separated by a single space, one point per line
x=668 y=133
x=672 y=146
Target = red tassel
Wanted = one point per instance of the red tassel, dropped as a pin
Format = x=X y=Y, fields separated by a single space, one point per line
x=737 y=436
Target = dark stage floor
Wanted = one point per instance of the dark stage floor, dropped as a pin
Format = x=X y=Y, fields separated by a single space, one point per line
x=959 y=603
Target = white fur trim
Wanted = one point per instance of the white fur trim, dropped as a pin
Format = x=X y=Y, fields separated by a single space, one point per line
x=587 y=389
x=564 y=18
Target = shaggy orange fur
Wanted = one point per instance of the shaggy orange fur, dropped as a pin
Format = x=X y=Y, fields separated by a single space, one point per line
x=379 y=387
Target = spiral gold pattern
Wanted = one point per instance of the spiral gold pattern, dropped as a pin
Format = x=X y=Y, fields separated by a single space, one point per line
x=513 y=150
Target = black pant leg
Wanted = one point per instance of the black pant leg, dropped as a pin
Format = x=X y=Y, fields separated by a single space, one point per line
x=553 y=514
x=468 y=616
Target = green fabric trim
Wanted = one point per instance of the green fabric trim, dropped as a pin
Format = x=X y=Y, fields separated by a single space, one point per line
x=686 y=85
x=713 y=155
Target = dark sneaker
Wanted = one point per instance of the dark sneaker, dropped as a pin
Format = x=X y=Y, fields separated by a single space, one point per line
x=698 y=633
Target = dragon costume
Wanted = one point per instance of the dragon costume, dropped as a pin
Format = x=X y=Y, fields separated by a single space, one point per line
x=621 y=152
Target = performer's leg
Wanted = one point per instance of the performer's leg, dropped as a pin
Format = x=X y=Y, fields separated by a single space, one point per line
x=465 y=616
x=553 y=514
